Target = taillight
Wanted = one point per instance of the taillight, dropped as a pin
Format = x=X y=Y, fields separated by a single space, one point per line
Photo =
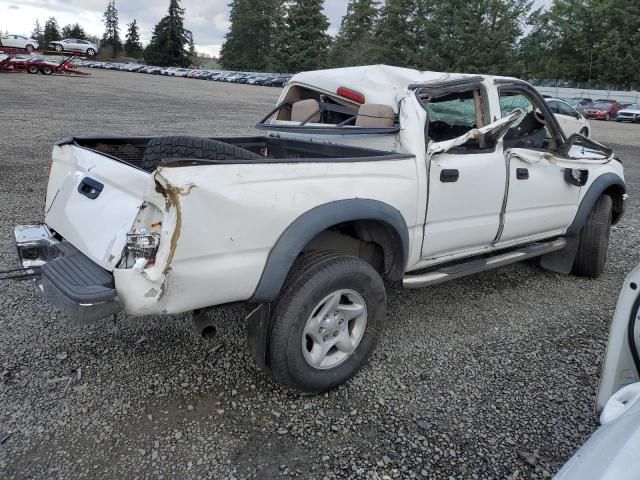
x=350 y=94
x=141 y=250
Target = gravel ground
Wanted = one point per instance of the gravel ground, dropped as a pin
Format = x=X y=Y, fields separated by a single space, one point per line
x=493 y=376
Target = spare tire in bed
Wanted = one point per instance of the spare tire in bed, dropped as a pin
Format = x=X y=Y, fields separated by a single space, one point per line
x=161 y=148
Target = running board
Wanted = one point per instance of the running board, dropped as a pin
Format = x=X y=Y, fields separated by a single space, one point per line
x=470 y=267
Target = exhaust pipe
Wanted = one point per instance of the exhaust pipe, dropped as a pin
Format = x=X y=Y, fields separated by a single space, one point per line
x=203 y=324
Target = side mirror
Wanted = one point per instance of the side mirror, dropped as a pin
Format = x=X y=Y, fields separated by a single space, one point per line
x=583 y=149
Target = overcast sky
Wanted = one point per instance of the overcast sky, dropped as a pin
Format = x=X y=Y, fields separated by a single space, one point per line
x=207 y=19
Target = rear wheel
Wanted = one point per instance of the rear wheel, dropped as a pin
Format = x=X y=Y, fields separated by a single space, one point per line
x=326 y=322
x=32 y=69
x=593 y=243
x=57 y=47
x=29 y=48
x=91 y=52
x=161 y=148
x=584 y=132
x=607 y=117
x=46 y=70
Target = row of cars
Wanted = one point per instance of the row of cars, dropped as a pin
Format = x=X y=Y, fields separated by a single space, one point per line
x=22 y=42
x=249 y=78
x=606 y=109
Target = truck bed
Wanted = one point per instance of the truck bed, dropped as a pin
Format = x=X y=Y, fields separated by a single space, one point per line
x=130 y=150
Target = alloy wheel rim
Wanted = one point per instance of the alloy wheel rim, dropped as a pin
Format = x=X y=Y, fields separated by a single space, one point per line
x=334 y=329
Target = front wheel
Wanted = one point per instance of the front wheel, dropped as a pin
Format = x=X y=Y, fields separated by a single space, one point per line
x=326 y=322
x=29 y=48
x=607 y=117
x=584 y=132
x=593 y=243
x=58 y=48
x=32 y=69
x=91 y=52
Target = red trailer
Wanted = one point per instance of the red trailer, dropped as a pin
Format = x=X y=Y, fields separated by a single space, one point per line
x=17 y=61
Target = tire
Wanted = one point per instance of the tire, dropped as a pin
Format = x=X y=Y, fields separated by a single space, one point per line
x=315 y=279
x=33 y=69
x=91 y=52
x=161 y=148
x=584 y=132
x=607 y=118
x=58 y=48
x=593 y=242
x=29 y=48
x=46 y=70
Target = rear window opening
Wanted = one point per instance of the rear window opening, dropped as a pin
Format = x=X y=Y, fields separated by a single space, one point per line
x=452 y=115
x=305 y=108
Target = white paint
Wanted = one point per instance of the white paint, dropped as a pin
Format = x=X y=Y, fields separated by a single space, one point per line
x=221 y=221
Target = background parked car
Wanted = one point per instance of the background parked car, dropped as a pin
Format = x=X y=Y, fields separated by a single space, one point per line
x=630 y=113
x=74 y=45
x=570 y=119
x=602 y=110
x=18 y=41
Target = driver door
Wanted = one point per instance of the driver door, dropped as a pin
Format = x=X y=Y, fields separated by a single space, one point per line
x=540 y=202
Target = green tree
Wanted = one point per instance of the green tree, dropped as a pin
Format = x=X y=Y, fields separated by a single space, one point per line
x=303 y=42
x=51 y=32
x=111 y=38
x=250 y=39
x=395 y=36
x=473 y=36
x=73 y=31
x=132 y=46
x=355 y=40
x=586 y=42
x=168 y=46
x=38 y=35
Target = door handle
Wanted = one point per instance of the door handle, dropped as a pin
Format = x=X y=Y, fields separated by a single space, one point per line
x=449 y=175
x=522 y=173
x=90 y=188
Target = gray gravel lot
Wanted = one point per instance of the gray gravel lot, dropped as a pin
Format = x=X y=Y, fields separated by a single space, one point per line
x=493 y=376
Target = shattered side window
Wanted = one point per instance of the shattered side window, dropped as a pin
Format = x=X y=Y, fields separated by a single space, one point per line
x=451 y=116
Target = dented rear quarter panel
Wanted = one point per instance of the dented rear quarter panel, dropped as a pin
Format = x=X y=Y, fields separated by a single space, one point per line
x=221 y=221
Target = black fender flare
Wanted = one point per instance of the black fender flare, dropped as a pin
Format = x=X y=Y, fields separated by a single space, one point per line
x=597 y=188
x=562 y=260
x=304 y=228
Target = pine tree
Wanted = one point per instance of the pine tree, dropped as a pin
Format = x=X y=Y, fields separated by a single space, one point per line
x=132 y=46
x=38 y=35
x=111 y=38
x=474 y=36
x=395 y=38
x=303 y=43
x=51 y=32
x=73 y=31
x=168 y=46
x=353 y=45
x=250 y=39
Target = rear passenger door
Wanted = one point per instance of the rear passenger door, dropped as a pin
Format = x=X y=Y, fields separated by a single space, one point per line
x=466 y=183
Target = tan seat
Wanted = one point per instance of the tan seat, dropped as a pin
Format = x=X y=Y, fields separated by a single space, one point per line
x=303 y=109
x=373 y=115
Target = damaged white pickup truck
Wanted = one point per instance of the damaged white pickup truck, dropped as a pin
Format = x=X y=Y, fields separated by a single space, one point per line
x=363 y=174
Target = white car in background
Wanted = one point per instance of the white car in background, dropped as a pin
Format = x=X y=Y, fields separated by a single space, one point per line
x=631 y=113
x=74 y=45
x=570 y=119
x=611 y=453
x=18 y=41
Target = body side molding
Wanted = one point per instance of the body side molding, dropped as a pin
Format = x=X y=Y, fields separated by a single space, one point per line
x=303 y=229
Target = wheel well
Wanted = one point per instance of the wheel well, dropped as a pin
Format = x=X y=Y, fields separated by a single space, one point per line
x=616 y=193
x=374 y=241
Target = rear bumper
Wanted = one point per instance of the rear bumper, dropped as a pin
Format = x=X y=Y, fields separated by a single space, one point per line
x=69 y=280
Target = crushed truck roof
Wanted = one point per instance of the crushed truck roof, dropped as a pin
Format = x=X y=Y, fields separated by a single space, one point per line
x=381 y=84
